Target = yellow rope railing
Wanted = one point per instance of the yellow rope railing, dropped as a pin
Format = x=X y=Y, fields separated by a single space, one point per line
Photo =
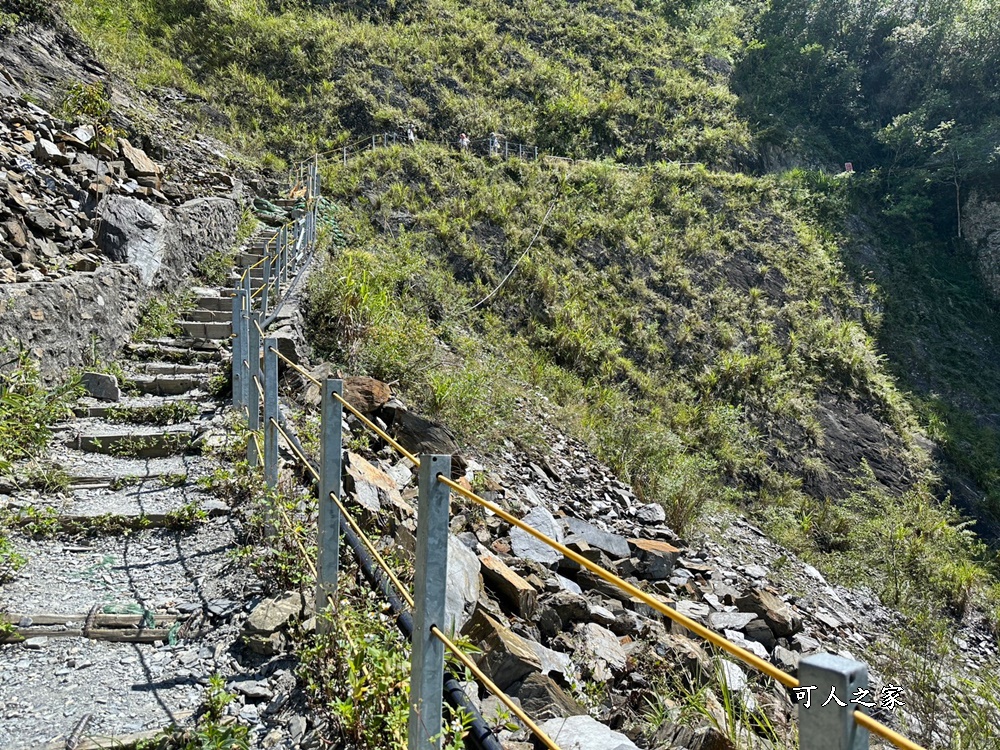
x=747 y=657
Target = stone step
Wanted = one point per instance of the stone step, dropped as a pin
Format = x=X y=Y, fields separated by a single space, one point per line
x=248 y=259
x=122 y=411
x=209 y=316
x=100 y=482
x=143 y=352
x=136 y=442
x=220 y=303
x=196 y=343
x=169 y=385
x=211 y=331
x=152 y=503
x=171 y=368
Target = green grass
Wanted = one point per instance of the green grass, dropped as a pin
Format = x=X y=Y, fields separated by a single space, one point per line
x=577 y=78
x=160 y=315
x=688 y=324
x=28 y=407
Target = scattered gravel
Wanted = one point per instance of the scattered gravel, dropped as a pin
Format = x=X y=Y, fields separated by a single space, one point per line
x=156 y=568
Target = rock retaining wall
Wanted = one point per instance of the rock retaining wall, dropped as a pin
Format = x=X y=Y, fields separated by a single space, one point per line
x=72 y=320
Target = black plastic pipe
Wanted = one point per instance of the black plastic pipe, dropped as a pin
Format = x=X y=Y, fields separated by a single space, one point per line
x=479 y=732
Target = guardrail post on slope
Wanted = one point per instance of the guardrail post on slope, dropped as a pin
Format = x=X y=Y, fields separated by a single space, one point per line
x=331 y=448
x=276 y=273
x=253 y=404
x=286 y=246
x=429 y=591
x=830 y=688
x=265 y=281
x=271 y=412
x=239 y=340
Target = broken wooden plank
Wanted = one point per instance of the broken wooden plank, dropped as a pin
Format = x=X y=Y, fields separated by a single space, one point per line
x=116 y=635
x=121 y=741
x=100 y=620
x=511 y=585
x=77 y=523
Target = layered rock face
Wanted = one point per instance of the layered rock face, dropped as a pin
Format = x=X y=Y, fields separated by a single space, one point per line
x=87 y=232
x=982 y=230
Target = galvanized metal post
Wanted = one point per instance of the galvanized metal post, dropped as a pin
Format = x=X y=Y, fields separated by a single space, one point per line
x=266 y=282
x=429 y=592
x=536 y=152
x=331 y=419
x=248 y=289
x=520 y=151
x=271 y=412
x=373 y=143
x=286 y=245
x=385 y=139
x=253 y=404
x=277 y=265
x=239 y=302
x=506 y=149
x=345 y=156
x=831 y=688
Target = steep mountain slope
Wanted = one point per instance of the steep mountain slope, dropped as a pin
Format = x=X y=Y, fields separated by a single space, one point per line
x=703 y=329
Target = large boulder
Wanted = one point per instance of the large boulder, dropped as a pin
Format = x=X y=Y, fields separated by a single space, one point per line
x=614 y=545
x=464 y=585
x=585 y=733
x=506 y=657
x=165 y=245
x=542 y=698
x=421 y=435
x=132 y=232
x=528 y=547
x=779 y=616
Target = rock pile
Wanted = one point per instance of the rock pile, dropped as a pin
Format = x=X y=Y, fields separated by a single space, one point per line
x=53 y=178
x=547 y=628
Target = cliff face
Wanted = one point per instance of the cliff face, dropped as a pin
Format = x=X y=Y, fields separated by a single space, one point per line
x=981 y=216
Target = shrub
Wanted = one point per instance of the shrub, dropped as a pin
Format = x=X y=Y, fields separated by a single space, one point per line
x=28 y=408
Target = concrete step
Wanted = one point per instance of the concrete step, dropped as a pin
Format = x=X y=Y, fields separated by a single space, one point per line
x=169 y=385
x=170 y=368
x=135 y=442
x=209 y=316
x=221 y=303
x=211 y=331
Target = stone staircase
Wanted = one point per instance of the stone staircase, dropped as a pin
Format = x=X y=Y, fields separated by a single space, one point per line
x=212 y=317
x=129 y=586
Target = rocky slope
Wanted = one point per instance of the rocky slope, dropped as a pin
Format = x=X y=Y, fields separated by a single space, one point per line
x=567 y=644
x=90 y=223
